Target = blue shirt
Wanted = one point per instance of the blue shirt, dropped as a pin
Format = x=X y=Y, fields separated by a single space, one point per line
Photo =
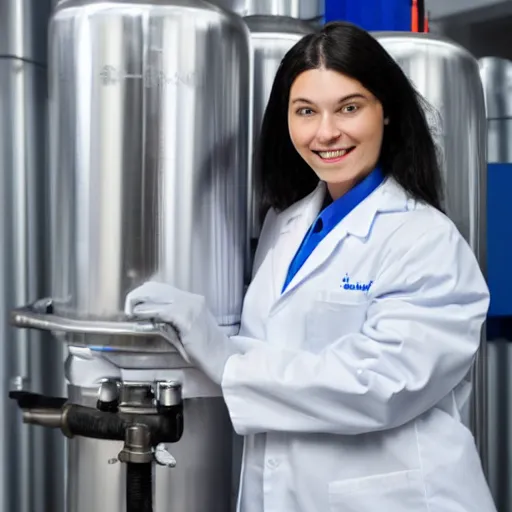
x=329 y=217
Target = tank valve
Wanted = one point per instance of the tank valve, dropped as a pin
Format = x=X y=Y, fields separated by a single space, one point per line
x=137 y=445
x=144 y=415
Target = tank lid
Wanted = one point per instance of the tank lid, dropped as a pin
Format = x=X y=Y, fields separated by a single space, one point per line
x=300 y=9
x=433 y=40
x=281 y=24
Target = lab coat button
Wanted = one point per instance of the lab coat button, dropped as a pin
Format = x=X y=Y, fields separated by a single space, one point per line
x=272 y=463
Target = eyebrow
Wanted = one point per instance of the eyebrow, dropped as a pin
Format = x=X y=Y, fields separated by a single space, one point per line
x=341 y=100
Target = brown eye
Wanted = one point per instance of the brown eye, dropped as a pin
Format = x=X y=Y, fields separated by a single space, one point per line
x=350 y=109
x=304 y=111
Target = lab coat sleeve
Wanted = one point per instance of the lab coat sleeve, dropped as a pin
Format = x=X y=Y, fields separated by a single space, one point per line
x=419 y=339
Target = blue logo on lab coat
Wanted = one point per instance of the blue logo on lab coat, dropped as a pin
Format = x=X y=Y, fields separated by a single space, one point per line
x=360 y=287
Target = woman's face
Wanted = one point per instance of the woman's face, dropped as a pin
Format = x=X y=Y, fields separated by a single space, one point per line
x=337 y=126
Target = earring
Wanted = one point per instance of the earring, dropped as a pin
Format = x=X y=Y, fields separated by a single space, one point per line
x=386 y=121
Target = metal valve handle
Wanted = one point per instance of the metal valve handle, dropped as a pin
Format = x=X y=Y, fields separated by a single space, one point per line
x=38 y=315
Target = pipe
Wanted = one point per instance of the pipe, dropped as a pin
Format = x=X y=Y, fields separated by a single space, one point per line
x=138 y=456
x=139 y=487
x=414 y=16
x=78 y=420
x=140 y=431
x=51 y=418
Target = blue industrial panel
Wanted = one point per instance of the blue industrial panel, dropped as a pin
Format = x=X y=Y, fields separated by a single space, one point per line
x=371 y=15
x=499 y=238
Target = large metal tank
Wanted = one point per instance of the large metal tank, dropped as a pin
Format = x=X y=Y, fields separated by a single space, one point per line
x=496 y=74
x=448 y=78
x=271 y=38
x=149 y=161
x=32 y=469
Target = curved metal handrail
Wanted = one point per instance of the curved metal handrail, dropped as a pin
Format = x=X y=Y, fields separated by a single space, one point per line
x=37 y=316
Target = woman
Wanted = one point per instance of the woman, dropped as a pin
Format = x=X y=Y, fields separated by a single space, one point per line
x=366 y=305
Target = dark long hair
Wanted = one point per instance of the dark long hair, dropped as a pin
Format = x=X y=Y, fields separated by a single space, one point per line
x=408 y=151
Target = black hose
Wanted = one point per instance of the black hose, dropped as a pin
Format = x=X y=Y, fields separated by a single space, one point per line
x=139 y=487
x=88 y=422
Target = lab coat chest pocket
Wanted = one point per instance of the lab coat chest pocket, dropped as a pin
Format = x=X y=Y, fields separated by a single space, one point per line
x=333 y=315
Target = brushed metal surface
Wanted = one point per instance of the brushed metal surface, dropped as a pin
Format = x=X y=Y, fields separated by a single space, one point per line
x=496 y=77
x=31 y=476
x=448 y=77
x=149 y=153
x=302 y=9
x=271 y=38
x=500 y=422
x=23 y=29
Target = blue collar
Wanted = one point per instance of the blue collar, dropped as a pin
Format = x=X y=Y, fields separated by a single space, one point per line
x=330 y=217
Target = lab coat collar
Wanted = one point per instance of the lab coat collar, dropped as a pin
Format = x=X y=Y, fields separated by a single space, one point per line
x=388 y=197
x=296 y=220
x=306 y=208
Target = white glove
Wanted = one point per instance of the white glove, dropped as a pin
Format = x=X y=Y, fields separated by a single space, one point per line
x=208 y=347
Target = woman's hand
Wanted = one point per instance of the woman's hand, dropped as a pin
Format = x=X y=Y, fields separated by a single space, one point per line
x=162 y=302
x=208 y=347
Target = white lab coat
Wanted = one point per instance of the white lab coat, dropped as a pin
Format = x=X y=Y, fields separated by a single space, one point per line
x=353 y=402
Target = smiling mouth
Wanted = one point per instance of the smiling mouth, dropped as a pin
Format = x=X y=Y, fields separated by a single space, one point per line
x=334 y=154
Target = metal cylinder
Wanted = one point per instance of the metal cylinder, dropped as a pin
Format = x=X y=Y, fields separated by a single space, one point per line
x=271 y=38
x=496 y=77
x=137 y=445
x=149 y=162
x=448 y=78
x=32 y=476
x=149 y=153
x=169 y=393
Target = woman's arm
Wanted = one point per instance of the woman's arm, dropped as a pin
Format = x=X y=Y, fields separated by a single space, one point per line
x=418 y=342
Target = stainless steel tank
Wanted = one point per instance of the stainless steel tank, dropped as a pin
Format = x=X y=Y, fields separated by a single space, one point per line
x=148 y=113
x=271 y=38
x=448 y=77
x=32 y=468
x=496 y=74
x=149 y=117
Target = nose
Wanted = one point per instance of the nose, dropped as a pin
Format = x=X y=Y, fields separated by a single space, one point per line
x=328 y=129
